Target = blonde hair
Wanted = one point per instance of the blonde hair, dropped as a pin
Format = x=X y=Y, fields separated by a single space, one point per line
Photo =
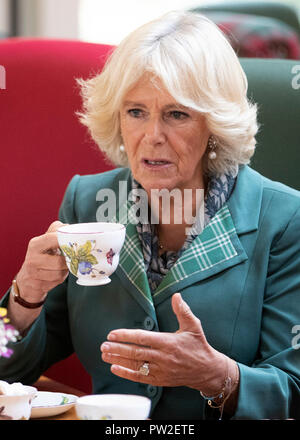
x=198 y=67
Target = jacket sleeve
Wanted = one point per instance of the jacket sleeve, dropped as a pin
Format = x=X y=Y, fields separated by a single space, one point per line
x=48 y=339
x=270 y=388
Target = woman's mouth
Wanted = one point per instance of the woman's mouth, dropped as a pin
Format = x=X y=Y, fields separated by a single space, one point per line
x=156 y=163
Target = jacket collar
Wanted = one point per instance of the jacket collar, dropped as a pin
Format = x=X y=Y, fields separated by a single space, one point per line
x=217 y=248
x=245 y=201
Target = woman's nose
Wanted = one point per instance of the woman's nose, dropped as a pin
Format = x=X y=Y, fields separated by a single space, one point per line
x=154 y=131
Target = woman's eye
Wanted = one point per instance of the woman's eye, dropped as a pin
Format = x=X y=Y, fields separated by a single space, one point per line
x=178 y=115
x=135 y=112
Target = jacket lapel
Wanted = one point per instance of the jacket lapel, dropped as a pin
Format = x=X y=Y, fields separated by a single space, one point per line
x=246 y=200
x=131 y=268
x=217 y=248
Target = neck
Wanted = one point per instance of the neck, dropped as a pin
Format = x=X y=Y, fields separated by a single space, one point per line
x=170 y=237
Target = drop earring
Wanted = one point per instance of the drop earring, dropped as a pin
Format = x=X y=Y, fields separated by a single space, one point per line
x=212 y=145
x=122 y=148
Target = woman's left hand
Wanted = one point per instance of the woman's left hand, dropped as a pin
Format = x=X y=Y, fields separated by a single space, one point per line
x=183 y=358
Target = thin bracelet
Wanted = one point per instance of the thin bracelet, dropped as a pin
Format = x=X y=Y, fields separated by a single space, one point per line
x=223 y=395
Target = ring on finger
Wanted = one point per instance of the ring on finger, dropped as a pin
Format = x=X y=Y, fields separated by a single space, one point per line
x=144 y=369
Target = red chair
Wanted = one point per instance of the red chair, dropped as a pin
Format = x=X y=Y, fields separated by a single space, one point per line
x=42 y=146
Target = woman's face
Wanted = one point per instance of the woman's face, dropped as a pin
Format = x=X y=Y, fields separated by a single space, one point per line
x=164 y=141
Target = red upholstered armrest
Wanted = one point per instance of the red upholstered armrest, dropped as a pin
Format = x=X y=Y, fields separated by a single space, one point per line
x=42 y=146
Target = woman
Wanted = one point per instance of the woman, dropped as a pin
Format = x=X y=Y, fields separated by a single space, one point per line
x=197 y=319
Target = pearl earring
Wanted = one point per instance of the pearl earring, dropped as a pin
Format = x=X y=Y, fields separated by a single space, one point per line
x=122 y=148
x=212 y=145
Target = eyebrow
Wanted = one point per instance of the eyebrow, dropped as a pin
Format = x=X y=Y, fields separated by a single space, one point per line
x=166 y=107
x=133 y=104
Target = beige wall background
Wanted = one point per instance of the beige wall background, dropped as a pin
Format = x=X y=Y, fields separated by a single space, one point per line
x=112 y=21
x=104 y=21
x=4 y=17
x=49 y=18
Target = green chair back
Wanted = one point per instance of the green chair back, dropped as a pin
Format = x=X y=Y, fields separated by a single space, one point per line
x=279 y=10
x=275 y=85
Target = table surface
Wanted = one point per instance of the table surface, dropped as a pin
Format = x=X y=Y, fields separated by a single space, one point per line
x=46 y=384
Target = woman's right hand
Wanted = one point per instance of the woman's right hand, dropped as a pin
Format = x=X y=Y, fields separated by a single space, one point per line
x=43 y=268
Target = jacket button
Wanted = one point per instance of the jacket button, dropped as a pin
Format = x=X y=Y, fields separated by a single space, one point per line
x=148 y=323
x=152 y=390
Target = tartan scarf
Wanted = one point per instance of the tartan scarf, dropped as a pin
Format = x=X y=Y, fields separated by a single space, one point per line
x=218 y=192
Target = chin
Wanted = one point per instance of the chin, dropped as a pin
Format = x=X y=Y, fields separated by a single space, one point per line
x=157 y=181
x=159 y=185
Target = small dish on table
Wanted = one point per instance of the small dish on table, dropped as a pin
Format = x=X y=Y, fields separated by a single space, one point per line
x=48 y=404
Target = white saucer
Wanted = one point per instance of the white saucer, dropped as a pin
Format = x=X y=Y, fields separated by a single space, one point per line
x=47 y=404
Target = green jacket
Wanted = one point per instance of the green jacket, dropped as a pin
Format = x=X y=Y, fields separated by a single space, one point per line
x=240 y=276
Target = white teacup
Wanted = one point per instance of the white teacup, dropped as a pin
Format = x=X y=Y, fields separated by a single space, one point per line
x=113 y=407
x=92 y=250
x=17 y=407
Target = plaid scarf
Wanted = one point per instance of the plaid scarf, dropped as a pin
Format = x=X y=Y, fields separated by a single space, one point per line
x=218 y=192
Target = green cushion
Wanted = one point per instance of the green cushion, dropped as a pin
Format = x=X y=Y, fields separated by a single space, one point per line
x=275 y=86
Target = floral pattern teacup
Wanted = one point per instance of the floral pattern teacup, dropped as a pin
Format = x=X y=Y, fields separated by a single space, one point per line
x=91 y=250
